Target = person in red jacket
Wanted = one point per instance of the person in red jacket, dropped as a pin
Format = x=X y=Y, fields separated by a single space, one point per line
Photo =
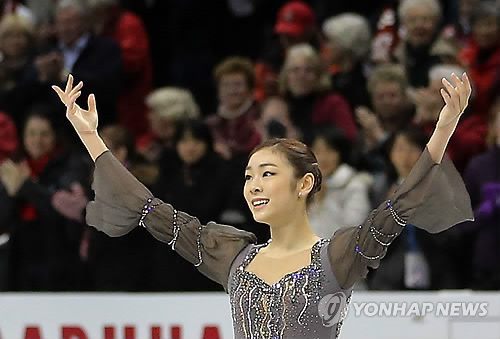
x=129 y=32
x=481 y=56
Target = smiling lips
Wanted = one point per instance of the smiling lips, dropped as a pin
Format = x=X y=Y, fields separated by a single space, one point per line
x=258 y=203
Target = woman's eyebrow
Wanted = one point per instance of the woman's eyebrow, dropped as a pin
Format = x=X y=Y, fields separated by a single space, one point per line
x=262 y=165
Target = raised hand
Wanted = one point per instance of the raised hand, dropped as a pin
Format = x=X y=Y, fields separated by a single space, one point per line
x=456 y=99
x=84 y=121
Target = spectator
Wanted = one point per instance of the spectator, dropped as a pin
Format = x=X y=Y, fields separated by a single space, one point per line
x=43 y=244
x=197 y=175
x=167 y=105
x=392 y=112
x=305 y=83
x=94 y=60
x=420 y=19
x=233 y=126
x=275 y=120
x=16 y=41
x=295 y=24
x=348 y=45
x=343 y=199
x=127 y=29
x=481 y=56
x=482 y=179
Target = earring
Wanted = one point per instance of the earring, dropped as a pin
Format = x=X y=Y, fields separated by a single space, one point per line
x=300 y=194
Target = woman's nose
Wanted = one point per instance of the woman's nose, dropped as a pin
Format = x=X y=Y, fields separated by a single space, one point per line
x=256 y=189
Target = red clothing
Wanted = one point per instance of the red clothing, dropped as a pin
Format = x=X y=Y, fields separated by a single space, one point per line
x=240 y=134
x=37 y=166
x=128 y=30
x=483 y=75
x=8 y=137
x=334 y=109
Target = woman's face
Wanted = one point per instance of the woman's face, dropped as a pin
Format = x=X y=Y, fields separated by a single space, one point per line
x=39 y=137
x=14 y=43
x=388 y=98
x=233 y=90
x=421 y=24
x=302 y=77
x=404 y=155
x=270 y=187
x=163 y=127
x=190 y=149
x=486 y=32
x=328 y=158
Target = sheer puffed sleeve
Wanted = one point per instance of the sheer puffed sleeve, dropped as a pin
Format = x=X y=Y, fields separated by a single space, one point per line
x=433 y=197
x=122 y=203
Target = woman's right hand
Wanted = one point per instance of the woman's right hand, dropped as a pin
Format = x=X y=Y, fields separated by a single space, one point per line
x=84 y=121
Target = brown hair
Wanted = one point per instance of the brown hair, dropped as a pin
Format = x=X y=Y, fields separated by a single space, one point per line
x=238 y=65
x=299 y=156
x=119 y=136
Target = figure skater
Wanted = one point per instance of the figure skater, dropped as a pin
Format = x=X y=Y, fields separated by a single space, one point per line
x=276 y=289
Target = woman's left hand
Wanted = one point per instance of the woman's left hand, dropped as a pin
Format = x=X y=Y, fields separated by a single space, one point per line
x=456 y=99
x=13 y=175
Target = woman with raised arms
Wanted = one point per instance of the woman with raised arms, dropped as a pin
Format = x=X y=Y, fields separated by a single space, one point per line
x=279 y=289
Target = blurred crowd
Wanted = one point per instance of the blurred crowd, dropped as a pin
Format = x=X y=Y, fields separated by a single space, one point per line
x=187 y=88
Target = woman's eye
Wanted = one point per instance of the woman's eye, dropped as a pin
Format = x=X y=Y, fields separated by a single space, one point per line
x=248 y=177
x=267 y=174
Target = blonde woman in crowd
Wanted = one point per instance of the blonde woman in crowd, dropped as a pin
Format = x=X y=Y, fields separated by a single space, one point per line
x=348 y=46
x=167 y=105
x=17 y=35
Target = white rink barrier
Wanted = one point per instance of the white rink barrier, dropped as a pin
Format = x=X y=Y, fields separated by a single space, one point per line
x=372 y=315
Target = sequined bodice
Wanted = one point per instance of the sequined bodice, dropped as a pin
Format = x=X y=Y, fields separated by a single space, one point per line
x=289 y=307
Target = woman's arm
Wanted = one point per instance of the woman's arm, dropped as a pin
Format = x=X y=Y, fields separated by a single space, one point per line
x=432 y=197
x=122 y=203
x=456 y=99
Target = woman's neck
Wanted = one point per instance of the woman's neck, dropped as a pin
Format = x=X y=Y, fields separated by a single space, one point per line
x=295 y=235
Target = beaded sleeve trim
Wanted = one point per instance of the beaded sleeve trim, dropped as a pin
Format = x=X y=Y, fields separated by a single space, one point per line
x=176 y=227
x=146 y=209
x=377 y=234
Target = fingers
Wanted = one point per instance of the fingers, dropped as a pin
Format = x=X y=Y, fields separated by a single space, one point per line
x=462 y=92
x=59 y=92
x=468 y=88
x=91 y=103
x=69 y=84
x=76 y=89
x=446 y=97
x=453 y=100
